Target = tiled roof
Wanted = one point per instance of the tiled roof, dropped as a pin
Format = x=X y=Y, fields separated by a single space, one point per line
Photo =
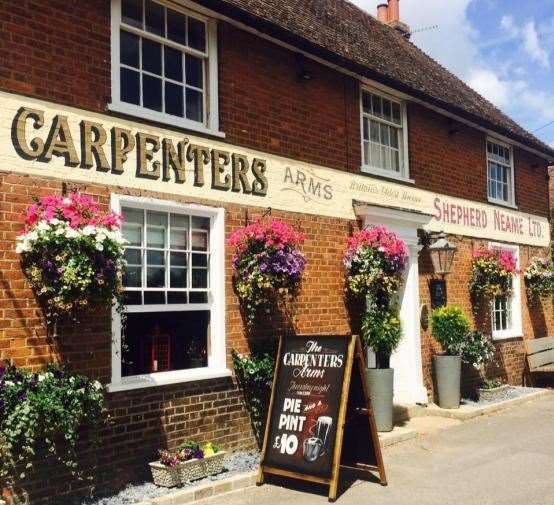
x=341 y=33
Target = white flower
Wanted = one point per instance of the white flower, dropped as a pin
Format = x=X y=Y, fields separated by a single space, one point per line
x=55 y=221
x=99 y=246
x=59 y=231
x=72 y=380
x=8 y=383
x=43 y=226
x=88 y=230
x=41 y=377
x=71 y=233
x=97 y=385
x=101 y=237
x=31 y=236
x=66 y=201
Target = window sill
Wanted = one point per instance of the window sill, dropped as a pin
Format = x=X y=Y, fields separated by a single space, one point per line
x=158 y=117
x=506 y=335
x=502 y=203
x=167 y=378
x=385 y=174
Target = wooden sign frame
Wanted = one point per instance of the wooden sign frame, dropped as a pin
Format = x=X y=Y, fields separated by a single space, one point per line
x=354 y=357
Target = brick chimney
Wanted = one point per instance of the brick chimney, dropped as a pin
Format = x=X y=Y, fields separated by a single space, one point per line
x=383 y=13
x=389 y=14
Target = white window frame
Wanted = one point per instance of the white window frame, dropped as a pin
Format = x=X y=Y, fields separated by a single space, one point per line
x=516 y=329
x=210 y=125
x=217 y=353
x=512 y=189
x=404 y=174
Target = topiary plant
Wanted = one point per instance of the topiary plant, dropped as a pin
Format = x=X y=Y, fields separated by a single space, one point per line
x=450 y=327
x=381 y=332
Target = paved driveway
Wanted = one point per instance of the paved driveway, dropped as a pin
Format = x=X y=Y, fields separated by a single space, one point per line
x=505 y=459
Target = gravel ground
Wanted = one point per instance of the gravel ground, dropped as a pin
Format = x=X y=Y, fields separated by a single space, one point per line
x=238 y=462
x=511 y=393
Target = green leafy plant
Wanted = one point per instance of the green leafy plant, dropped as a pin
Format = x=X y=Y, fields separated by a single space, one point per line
x=477 y=349
x=491 y=383
x=45 y=413
x=492 y=273
x=450 y=327
x=381 y=332
x=539 y=278
x=255 y=376
x=72 y=255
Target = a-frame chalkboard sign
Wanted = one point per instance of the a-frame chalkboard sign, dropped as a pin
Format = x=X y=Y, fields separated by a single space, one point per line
x=320 y=417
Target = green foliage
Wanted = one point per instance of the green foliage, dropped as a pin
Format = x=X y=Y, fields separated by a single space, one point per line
x=477 y=349
x=45 y=412
x=539 y=278
x=450 y=327
x=381 y=330
x=255 y=376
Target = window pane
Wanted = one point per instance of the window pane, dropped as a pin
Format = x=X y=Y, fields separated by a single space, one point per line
x=200 y=223
x=155 y=18
x=395 y=160
x=129 y=49
x=132 y=298
x=179 y=239
x=133 y=234
x=176 y=297
x=199 y=278
x=377 y=110
x=156 y=237
x=374 y=131
x=131 y=12
x=133 y=215
x=385 y=135
x=132 y=277
x=198 y=297
x=199 y=241
x=375 y=151
x=173 y=64
x=366 y=128
x=130 y=86
x=164 y=341
x=194 y=105
x=197 y=34
x=156 y=218
x=179 y=221
x=155 y=258
x=387 y=113
x=194 y=71
x=152 y=56
x=367 y=160
x=366 y=103
x=199 y=260
x=152 y=92
x=396 y=113
x=177 y=27
x=153 y=297
x=178 y=277
x=155 y=277
x=178 y=259
x=393 y=137
x=174 y=99
x=133 y=256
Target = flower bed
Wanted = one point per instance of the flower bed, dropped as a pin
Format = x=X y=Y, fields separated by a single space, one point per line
x=268 y=264
x=71 y=253
x=190 y=462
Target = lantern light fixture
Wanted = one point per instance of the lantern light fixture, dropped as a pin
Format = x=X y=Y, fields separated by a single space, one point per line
x=442 y=255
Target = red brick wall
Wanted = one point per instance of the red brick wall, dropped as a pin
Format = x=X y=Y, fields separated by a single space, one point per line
x=263 y=103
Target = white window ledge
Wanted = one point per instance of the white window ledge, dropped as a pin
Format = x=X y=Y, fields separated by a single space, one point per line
x=387 y=174
x=159 y=117
x=505 y=335
x=167 y=378
x=502 y=203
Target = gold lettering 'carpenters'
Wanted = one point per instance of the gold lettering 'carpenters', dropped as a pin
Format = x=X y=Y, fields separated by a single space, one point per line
x=157 y=158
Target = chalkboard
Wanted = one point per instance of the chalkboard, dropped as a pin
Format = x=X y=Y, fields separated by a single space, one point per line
x=319 y=388
x=307 y=396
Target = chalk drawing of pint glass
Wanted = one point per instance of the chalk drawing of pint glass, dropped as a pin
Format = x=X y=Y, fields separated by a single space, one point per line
x=316 y=446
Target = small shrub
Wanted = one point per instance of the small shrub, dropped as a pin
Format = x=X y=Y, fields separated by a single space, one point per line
x=450 y=327
x=381 y=332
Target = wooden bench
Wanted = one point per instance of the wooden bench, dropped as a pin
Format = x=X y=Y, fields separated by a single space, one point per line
x=540 y=357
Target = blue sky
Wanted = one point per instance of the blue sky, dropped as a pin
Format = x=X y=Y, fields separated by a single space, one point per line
x=502 y=48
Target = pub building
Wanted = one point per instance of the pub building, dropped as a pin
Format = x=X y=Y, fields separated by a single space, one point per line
x=193 y=118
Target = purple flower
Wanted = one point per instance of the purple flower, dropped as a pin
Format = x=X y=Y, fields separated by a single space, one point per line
x=21 y=396
x=2 y=372
x=199 y=453
x=2 y=406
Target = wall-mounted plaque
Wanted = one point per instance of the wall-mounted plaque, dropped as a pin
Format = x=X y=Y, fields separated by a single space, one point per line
x=437 y=287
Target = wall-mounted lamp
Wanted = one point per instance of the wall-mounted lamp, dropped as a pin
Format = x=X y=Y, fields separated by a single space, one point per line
x=442 y=255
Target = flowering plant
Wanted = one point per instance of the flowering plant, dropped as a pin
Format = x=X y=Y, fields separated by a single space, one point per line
x=267 y=261
x=477 y=349
x=374 y=261
x=71 y=253
x=539 y=278
x=186 y=451
x=45 y=412
x=492 y=273
x=382 y=332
